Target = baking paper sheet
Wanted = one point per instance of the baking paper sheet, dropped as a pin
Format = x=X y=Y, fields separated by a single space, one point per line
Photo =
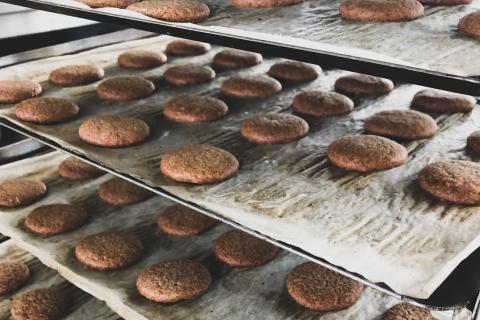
x=377 y=225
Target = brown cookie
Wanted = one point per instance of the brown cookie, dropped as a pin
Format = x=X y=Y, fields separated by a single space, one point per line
x=470 y=25
x=180 y=221
x=122 y=4
x=322 y=104
x=321 y=289
x=114 y=131
x=455 y=181
x=473 y=141
x=21 y=192
x=443 y=101
x=54 y=219
x=366 y=153
x=444 y=2
x=13 y=91
x=174 y=280
x=199 y=164
x=362 y=84
x=12 y=276
x=141 y=59
x=381 y=10
x=406 y=311
x=125 y=88
x=185 y=48
x=75 y=169
x=401 y=124
x=172 y=10
x=40 y=304
x=295 y=71
x=191 y=108
x=76 y=75
x=228 y=59
x=188 y=74
x=117 y=191
x=109 y=250
x=45 y=110
x=265 y=3
x=258 y=86
x=274 y=128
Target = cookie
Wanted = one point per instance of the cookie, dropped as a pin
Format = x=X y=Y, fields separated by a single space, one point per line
x=322 y=104
x=185 y=48
x=188 y=74
x=274 y=128
x=174 y=280
x=401 y=124
x=12 y=276
x=125 y=88
x=265 y=3
x=191 y=108
x=473 y=141
x=366 y=153
x=455 y=181
x=258 y=86
x=318 y=288
x=76 y=75
x=117 y=191
x=172 y=10
x=294 y=71
x=199 y=164
x=75 y=169
x=362 y=84
x=54 y=219
x=21 y=192
x=180 y=221
x=45 y=110
x=443 y=101
x=40 y=304
x=114 y=131
x=406 y=311
x=111 y=250
x=141 y=59
x=444 y=2
x=381 y=10
x=13 y=91
x=121 y=4
x=229 y=59
x=470 y=25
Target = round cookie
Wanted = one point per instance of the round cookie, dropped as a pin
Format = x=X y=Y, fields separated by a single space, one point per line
x=185 y=48
x=470 y=25
x=401 y=124
x=190 y=108
x=117 y=191
x=12 y=276
x=109 y=250
x=45 y=110
x=125 y=88
x=322 y=104
x=443 y=101
x=76 y=169
x=141 y=59
x=366 y=153
x=44 y=304
x=258 y=86
x=318 y=288
x=229 y=59
x=239 y=249
x=362 y=84
x=21 y=192
x=174 y=280
x=180 y=221
x=473 y=141
x=114 y=131
x=121 y=4
x=406 y=311
x=76 y=75
x=265 y=3
x=54 y=219
x=295 y=71
x=188 y=74
x=274 y=128
x=13 y=91
x=444 y=2
x=172 y=10
x=455 y=181
x=199 y=164
x=381 y=10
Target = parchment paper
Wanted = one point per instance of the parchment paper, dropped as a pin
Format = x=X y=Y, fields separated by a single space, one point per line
x=377 y=225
